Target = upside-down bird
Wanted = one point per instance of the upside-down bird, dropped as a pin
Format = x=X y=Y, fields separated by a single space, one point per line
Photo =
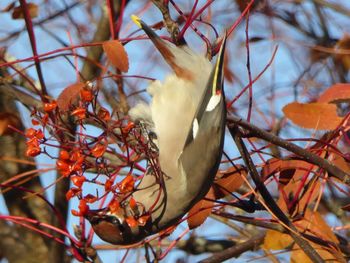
x=187 y=114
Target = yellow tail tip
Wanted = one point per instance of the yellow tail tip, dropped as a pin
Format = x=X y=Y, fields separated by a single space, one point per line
x=136 y=20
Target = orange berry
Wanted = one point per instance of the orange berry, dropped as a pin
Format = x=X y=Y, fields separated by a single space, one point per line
x=142 y=220
x=78 y=180
x=33 y=151
x=131 y=222
x=50 y=106
x=80 y=113
x=62 y=165
x=64 y=155
x=127 y=185
x=30 y=133
x=114 y=206
x=86 y=95
x=98 y=150
x=104 y=114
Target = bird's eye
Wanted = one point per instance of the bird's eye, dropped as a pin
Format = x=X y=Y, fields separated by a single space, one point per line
x=152 y=135
x=115 y=221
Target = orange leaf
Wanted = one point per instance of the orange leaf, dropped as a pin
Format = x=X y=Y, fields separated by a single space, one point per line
x=309 y=194
x=69 y=95
x=341 y=163
x=318 y=116
x=298 y=255
x=33 y=11
x=314 y=224
x=200 y=211
x=286 y=168
x=276 y=240
x=229 y=181
x=339 y=92
x=116 y=53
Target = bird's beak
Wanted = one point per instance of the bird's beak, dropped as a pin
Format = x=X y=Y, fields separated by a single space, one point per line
x=218 y=77
x=170 y=52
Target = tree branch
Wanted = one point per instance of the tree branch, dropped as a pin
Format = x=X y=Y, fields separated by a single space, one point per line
x=307 y=156
x=236 y=250
x=270 y=202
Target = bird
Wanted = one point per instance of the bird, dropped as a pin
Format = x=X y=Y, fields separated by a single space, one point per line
x=187 y=116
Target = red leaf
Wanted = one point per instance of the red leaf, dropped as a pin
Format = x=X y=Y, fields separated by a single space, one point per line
x=318 y=116
x=339 y=92
x=116 y=54
x=69 y=95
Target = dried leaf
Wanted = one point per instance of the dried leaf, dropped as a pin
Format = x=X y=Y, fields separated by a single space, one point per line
x=200 y=211
x=339 y=92
x=341 y=163
x=286 y=168
x=276 y=240
x=33 y=11
x=298 y=255
x=318 y=116
x=116 y=53
x=308 y=195
x=229 y=181
x=6 y=119
x=314 y=224
x=291 y=178
x=69 y=95
x=344 y=59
